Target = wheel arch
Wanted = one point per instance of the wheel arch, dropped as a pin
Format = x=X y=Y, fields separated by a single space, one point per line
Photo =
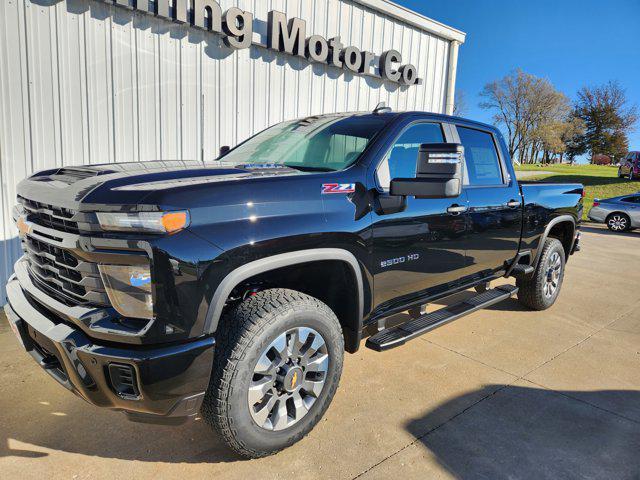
x=350 y=319
x=563 y=228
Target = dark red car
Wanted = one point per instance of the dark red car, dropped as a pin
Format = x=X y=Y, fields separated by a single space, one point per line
x=630 y=166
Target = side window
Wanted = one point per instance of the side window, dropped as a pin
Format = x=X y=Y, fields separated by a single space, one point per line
x=400 y=161
x=481 y=158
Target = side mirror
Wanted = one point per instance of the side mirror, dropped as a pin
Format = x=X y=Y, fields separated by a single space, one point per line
x=224 y=150
x=438 y=173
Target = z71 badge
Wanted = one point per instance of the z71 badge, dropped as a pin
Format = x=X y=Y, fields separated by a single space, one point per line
x=338 y=188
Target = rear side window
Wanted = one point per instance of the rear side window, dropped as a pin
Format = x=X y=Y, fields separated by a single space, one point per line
x=634 y=199
x=481 y=157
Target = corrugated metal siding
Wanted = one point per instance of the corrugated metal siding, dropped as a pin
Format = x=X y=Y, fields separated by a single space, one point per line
x=84 y=82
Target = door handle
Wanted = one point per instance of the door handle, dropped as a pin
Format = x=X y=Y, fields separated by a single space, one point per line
x=456 y=209
x=513 y=203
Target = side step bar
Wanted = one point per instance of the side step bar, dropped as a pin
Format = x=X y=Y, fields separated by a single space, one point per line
x=400 y=334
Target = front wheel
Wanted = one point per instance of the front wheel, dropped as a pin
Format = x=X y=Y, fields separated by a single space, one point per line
x=540 y=290
x=277 y=367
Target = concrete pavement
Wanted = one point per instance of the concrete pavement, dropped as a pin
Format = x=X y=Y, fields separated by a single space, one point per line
x=503 y=393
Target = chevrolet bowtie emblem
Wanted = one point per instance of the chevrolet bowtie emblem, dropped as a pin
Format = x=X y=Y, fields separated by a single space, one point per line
x=24 y=227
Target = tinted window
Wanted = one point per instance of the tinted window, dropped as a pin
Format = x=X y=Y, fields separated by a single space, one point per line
x=400 y=162
x=635 y=199
x=481 y=158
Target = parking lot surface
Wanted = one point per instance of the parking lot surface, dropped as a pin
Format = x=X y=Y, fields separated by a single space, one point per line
x=503 y=393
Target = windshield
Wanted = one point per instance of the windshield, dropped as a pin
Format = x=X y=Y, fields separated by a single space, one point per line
x=323 y=143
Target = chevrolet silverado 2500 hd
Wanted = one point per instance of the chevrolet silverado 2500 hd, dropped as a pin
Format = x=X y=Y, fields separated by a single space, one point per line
x=233 y=287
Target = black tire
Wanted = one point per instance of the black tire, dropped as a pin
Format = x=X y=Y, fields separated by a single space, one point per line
x=631 y=175
x=532 y=289
x=243 y=336
x=618 y=222
x=620 y=175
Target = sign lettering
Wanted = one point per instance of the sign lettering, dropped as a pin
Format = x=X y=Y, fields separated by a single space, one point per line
x=289 y=36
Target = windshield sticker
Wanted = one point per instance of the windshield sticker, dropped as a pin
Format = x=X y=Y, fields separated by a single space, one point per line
x=338 y=188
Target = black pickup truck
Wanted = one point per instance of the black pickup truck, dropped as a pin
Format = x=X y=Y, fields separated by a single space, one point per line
x=232 y=287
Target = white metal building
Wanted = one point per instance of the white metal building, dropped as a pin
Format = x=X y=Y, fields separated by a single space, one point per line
x=88 y=81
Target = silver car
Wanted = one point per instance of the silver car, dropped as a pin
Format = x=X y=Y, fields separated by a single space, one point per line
x=618 y=213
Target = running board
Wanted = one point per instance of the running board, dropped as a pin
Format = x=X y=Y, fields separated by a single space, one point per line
x=400 y=334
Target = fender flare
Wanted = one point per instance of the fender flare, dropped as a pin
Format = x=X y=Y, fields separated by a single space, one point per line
x=543 y=237
x=248 y=270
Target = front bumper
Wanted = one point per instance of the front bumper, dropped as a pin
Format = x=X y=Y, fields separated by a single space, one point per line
x=168 y=381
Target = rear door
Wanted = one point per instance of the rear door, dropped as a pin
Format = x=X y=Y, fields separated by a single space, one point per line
x=495 y=204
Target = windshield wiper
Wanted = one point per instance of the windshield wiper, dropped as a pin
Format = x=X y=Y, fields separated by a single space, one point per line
x=307 y=168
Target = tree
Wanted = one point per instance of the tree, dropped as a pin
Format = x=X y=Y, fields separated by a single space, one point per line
x=574 y=130
x=608 y=118
x=460 y=104
x=527 y=107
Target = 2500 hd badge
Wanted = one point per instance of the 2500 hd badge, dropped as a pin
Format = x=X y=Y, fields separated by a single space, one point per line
x=398 y=260
x=167 y=290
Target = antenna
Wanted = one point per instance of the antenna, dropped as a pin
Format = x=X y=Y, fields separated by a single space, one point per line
x=381 y=108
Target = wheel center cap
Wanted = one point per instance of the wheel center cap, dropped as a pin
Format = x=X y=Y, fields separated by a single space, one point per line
x=292 y=379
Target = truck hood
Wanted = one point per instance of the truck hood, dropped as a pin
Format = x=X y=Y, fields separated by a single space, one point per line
x=120 y=184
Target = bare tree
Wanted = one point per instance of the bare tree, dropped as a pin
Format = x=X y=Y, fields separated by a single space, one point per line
x=460 y=107
x=524 y=105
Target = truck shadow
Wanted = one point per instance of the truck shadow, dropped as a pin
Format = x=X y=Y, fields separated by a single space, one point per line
x=520 y=432
x=40 y=418
x=106 y=435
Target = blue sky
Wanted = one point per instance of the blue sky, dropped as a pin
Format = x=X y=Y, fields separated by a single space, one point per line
x=570 y=42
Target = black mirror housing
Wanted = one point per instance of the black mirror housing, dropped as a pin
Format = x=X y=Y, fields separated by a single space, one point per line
x=224 y=150
x=438 y=173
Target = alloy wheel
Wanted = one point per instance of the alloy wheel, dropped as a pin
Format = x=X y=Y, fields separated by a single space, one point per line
x=288 y=378
x=554 y=271
x=618 y=223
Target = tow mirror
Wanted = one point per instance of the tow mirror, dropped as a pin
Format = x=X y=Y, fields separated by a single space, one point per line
x=438 y=173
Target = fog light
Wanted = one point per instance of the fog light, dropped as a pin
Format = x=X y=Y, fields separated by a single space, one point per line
x=129 y=289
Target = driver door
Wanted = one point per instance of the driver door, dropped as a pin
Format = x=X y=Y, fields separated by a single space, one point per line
x=421 y=247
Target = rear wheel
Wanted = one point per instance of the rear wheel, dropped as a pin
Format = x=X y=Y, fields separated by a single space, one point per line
x=540 y=290
x=620 y=175
x=618 y=222
x=277 y=366
x=631 y=175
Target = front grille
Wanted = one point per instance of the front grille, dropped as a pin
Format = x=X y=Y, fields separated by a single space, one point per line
x=49 y=216
x=61 y=274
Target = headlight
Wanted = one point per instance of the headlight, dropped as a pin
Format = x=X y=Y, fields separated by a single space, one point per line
x=154 y=222
x=129 y=289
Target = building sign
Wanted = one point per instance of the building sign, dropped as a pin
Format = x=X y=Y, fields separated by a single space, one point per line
x=283 y=35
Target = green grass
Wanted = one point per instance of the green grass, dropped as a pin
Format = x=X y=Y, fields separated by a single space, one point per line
x=599 y=181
